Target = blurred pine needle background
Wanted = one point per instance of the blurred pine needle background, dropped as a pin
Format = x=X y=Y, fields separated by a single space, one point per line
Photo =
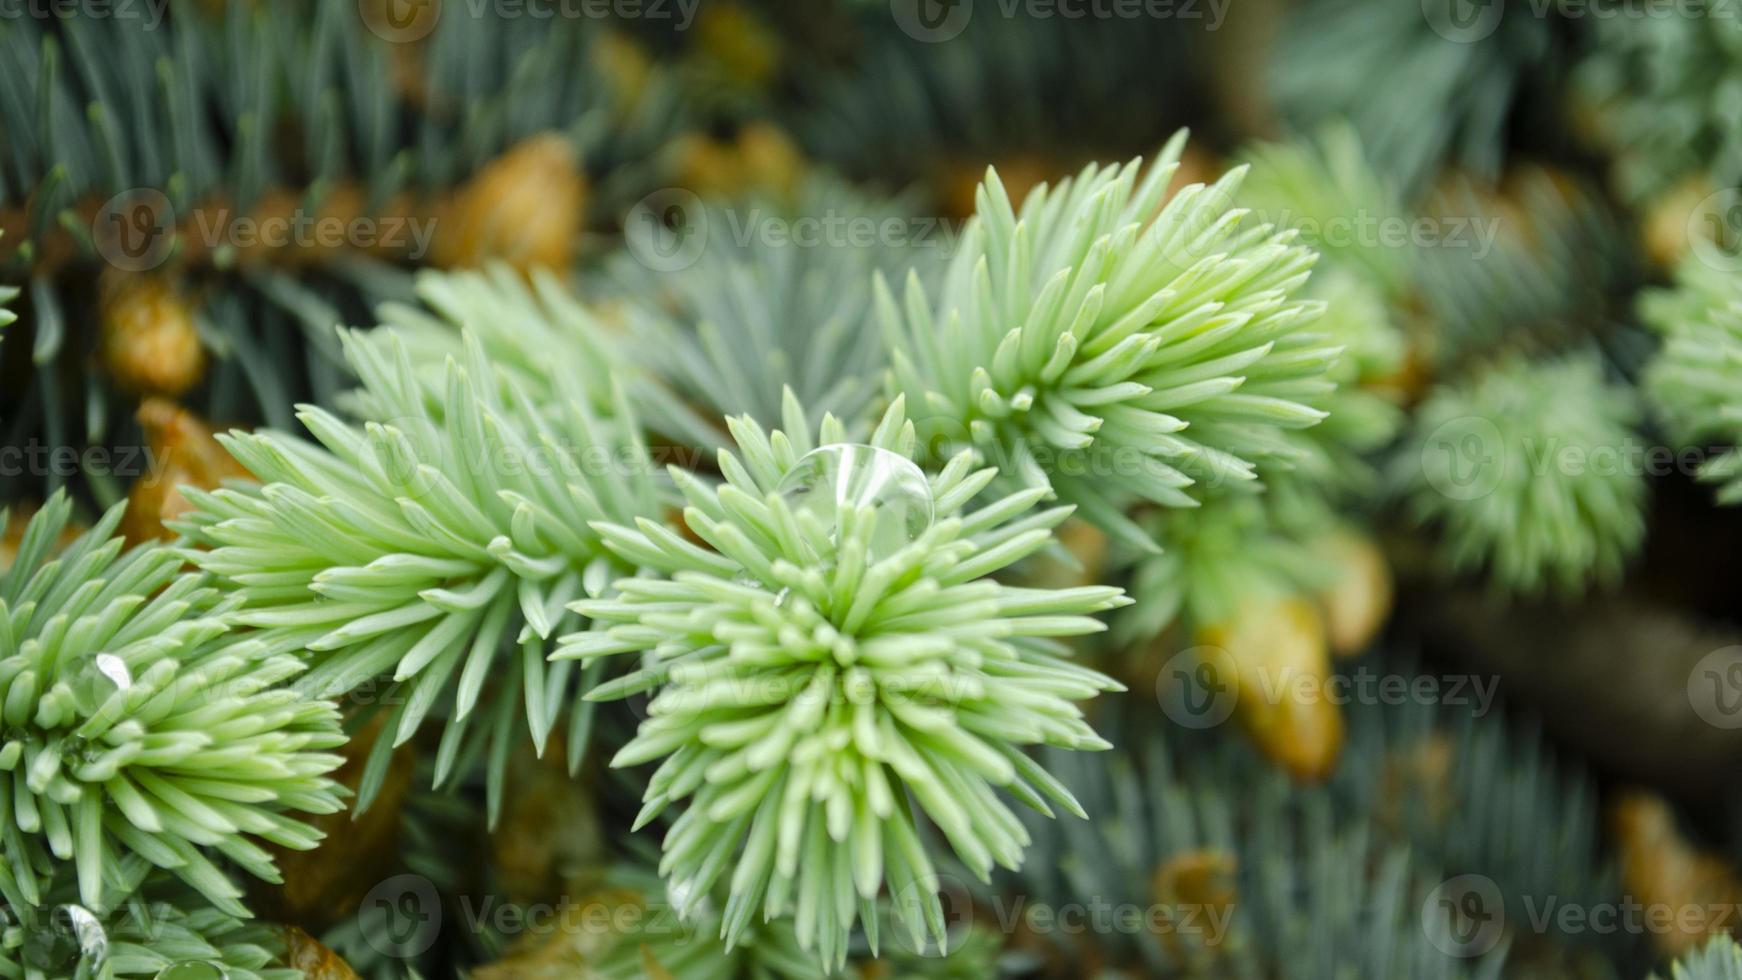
x=909 y=489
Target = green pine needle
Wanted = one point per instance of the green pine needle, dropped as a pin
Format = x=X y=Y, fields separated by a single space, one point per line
x=7 y=295
x=1527 y=470
x=433 y=547
x=1427 y=84
x=1531 y=271
x=751 y=317
x=1301 y=889
x=1346 y=211
x=1660 y=92
x=161 y=923
x=1352 y=216
x=1719 y=959
x=1695 y=383
x=136 y=723
x=1107 y=346
x=1336 y=458
x=811 y=691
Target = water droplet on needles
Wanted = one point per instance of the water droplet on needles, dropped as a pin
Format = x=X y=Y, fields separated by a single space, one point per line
x=841 y=474
x=73 y=936
x=193 y=970
x=115 y=669
x=679 y=894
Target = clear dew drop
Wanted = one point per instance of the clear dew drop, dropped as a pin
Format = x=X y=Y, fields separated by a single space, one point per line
x=679 y=894
x=838 y=475
x=72 y=936
x=115 y=669
x=193 y=970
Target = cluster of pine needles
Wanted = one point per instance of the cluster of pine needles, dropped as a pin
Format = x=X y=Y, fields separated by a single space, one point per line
x=760 y=489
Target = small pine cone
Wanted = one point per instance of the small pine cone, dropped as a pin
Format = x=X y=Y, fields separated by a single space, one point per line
x=1357 y=604
x=182 y=451
x=626 y=68
x=1660 y=868
x=524 y=208
x=1281 y=664
x=312 y=960
x=1196 y=889
x=706 y=166
x=1416 y=778
x=761 y=159
x=148 y=341
x=1665 y=233
x=740 y=43
x=770 y=155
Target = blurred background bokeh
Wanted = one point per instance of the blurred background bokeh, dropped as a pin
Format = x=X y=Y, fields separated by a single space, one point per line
x=1510 y=553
